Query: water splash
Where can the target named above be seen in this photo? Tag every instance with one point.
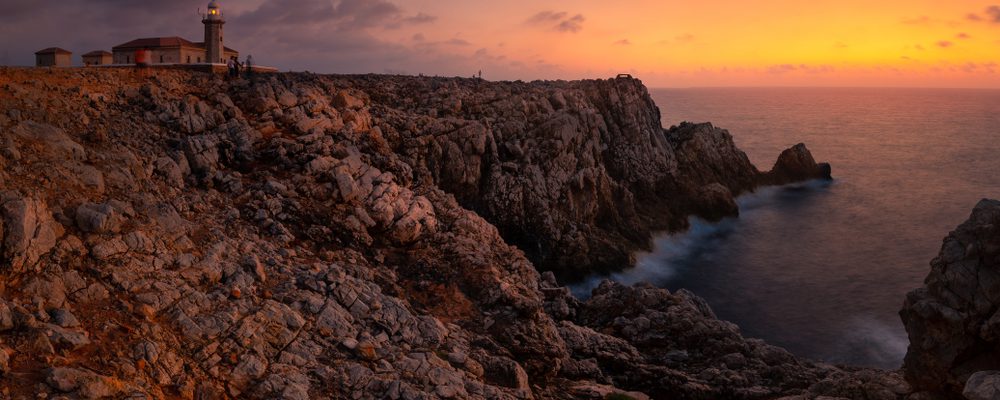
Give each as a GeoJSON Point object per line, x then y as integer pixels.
{"type": "Point", "coordinates": [697, 245]}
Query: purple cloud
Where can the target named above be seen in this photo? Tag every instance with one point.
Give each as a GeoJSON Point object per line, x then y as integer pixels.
{"type": "Point", "coordinates": [944, 44]}
{"type": "Point", "coordinates": [559, 21]}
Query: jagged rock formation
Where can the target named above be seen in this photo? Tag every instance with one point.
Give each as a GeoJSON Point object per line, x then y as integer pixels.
{"type": "Point", "coordinates": [306, 236]}
{"type": "Point", "coordinates": [578, 175]}
{"type": "Point", "coordinates": [953, 322]}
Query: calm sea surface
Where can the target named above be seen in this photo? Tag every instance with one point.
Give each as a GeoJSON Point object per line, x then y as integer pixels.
{"type": "Point", "coordinates": [822, 269]}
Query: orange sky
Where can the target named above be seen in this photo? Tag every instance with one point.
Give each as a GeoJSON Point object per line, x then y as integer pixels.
{"type": "Point", "coordinates": [672, 43]}
{"type": "Point", "coordinates": [722, 43]}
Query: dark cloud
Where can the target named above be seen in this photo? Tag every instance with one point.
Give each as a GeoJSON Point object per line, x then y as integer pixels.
{"type": "Point", "coordinates": [945, 44]}
{"type": "Point", "coordinates": [963, 35]}
{"type": "Point", "coordinates": [546, 17]}
{"type": "Point", "coordinates": [559, 21]}
{"type": "Point", "coordinates": [623, 42]}
{"type": "Point", "coordinates": [341, 15]}
{"type": "Point", "coordinates": [574, 24]}
{"type": "Point", "coordinates": [993, 14]}
{"type": "Point", "coordinates": [420, 18]}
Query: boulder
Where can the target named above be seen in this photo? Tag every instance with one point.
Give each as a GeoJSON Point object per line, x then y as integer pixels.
{"type": "Point", "coordinates": [983, 385]}
{"type": "Point", "coordinates": [99, 218]}
{"type": "Point", "coordinates": [86, 384]}
{"type": "Point", "coordinates": [29, 231]}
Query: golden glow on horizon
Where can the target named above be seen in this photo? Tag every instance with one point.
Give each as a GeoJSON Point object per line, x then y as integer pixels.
{"type": "Point", "coordinates": [712, 42]}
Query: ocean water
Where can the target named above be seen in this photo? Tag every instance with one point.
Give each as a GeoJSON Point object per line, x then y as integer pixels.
{"type": "Point", "coordinates": [822, 269]}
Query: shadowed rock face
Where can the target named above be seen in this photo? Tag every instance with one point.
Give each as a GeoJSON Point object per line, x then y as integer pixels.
{"type": "Point", "coordinates": [578, 175]}
{"type": "Point", "coordinates": [307, 236]}
{"type": "Point", "coordinates": [953, 321]}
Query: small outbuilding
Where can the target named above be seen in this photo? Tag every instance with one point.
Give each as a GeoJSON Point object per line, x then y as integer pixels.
{"type": "Point", "coordinates": [97, 57]}
{"type": "Point", "coordinates": [53, 57]}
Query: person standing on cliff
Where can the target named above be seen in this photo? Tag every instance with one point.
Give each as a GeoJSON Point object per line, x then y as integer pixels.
{"type": "Point", "coordinates": [249, 66]}
{"type": "Point", "coordinates": [232, 67]}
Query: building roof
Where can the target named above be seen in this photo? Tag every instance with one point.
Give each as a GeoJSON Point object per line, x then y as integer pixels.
{"type": "Point", "coordinates": [53, 50]}
{"type": "Point", "coordinates": [170, 41]}
{"type": "Point", "coordinates": [96, 53]}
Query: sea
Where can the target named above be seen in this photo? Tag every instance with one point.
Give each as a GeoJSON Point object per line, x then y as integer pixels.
{"type": "Point", "coordinates": [822, 268]}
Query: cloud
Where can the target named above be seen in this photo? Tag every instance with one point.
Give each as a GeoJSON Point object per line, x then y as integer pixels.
{"type": "Point", "coordinates": [574, 24]}
{"type": "Point", "coordinates": [343, 14]}
{"type": "Point", "coordinates": [781, 69]}
{"type": "Point", "coordinates": [993, 14]}
{"type": "Point", "coordinates": [419, 19]}
{"type": "Point", "coordinates": [944, 44]}
{"type": "Point", "coordinates": [963, 35]}
{"type": "Point", "coordinates": [809, 69]}
{"type": "Point", "coordinates": [840, 45]}
{"type": "Point", "coordinates": [458, 42]}
{"type": "Point", "coordinates": [559, 21]}
{"type": "Point", "coordinates": [623, 42]}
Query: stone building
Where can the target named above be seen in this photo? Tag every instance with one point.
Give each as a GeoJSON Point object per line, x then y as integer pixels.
{"type": "Point", "coordinates": [53, 57]}
{"type": "Point", "coordinates": [176, 50]}
{"type": "Point", "coordinates": [166, 50]}
{"type": "Point", "coordinates": [97, 57]}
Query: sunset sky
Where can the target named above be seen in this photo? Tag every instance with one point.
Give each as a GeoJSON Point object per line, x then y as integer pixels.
{"type": "Point", "coordinates": [666, 43]}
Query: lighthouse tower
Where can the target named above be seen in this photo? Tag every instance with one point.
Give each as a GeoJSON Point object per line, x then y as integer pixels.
{"type": "Point", "coordinates": [213, 33]}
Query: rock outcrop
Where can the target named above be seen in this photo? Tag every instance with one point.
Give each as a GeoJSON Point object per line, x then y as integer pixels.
{"type": "Point", "coordinates": [303, 236]}
{"type": "Point", "coordinates": [578, 175]}
{"type": "Point", "coordinates": [953, 322]}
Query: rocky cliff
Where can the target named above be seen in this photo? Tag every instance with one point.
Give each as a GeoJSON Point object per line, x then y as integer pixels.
{"type": "Point", "coordinates": [953, 321]}
{"type": "Point", "coordinates": [304, 236]}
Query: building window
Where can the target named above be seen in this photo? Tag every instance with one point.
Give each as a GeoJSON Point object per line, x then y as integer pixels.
{"type": "Point", "coordinates": [199, 60]}
{"type": "Point", "coordinates": [189, 60]}
{"type": "Point", "coordinates": [128, 59]}
{"type": "Point", "coordinates": [161, 59]}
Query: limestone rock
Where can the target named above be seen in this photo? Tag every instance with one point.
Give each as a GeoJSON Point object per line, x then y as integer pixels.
{"type": "Point", "coordinates": [99, 218]}
{"type": "Point", "coordinates": [797, 164]}
{"type": "Point", "coordinates": [960, 292]}
{"type": "Point", "coordinates": [29, 231]}
{"type": "Point", "coordinates": [983, 385]}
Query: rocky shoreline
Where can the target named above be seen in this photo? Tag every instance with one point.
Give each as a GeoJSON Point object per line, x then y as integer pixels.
{"type": "Point", "coordinates": [304, 236]}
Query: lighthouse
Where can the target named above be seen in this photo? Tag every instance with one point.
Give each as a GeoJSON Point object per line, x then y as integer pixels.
{"type": "Point", "coordinates": [213, 21]}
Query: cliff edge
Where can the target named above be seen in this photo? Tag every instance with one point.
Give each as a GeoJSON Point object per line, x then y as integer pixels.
{"type": "Point", "coordinates": [303, 236]}
{"type": "Point", "coordinates": [953, 321]}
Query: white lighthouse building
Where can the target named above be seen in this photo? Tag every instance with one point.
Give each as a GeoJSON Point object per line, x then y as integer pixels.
{"type": "Point", "coordinates": [213, 33]}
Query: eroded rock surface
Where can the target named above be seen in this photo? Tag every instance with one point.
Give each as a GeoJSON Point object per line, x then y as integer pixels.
{"type": "Point", "coordinates": [304, 236]}
{"type": "Point", "coordinates": [953, 322]}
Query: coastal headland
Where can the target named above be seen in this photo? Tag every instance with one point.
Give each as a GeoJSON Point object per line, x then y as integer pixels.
{"type": "Point", "coordinates": [299, 236]}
